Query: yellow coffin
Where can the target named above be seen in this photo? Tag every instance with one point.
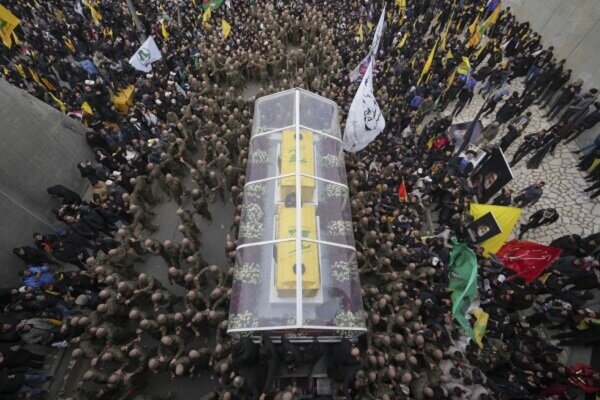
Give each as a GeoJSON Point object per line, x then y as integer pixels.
{"type": "Point", "coordinates": [285, 276]}
{"type": "Point", "coordinates": [288, 164]}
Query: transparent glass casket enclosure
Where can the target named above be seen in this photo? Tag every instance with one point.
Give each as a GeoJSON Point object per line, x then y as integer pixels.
{"type": "Point", "coordinates": [296, 212]}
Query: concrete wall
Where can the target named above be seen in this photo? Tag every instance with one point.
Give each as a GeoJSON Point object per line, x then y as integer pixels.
{"type": "Point", "coordinates": [39, 147]}
{"type": "Point", "coordinates": [573, 28]}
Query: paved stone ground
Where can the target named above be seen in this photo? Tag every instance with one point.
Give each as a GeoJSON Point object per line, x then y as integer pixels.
{"type": "Point", "coordinates": [564, 182]}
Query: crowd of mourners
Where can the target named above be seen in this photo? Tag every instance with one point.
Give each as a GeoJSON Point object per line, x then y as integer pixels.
{"type": "Point", "coordinates": [185, 139]}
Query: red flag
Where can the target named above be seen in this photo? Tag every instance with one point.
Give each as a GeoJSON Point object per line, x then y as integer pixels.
{"type": "Point", "coordinates": [527, 259]}
{"type": "Point", "coordinates": [582, 376]}
{"type": "Point", "coordinates": [402, 194]}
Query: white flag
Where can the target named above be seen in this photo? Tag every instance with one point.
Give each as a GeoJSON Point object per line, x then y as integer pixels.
{"type": "Point", "coordinates": [365, 121]}
{"type": "Point", "coordinates": [357, 73]}
{"type": "Point", "coordinates": [378, 33]}
{"type": "Point", "coordinates": [144, 56]}
{"type": "Point", "coordinates": [79, 8]}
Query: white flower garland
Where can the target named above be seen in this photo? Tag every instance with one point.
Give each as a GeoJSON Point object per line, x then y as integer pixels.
{"type": "Point", "coordinates": [255, 191]}
{"type": "Point", "coordinates": [343, 271]}
{"type": "Point", "coordinates": [243, 320]}
{"type": "Point", "coordinates": [259, 156]}
{"type": "Point", "coordinates": [252, 226]}
{"type": "Point", "coordinates": [339, 228]}
{"type": "Point", "coordinates": [348, 319]}
{"type": "Point", "coordinates": [247, 273]}
{"type": "Point", "coordinates": [331, 160]}
{"type": "Point", "coordinates": [332, 190]}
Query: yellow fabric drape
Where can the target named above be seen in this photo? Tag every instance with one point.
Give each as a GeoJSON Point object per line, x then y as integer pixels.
{"type": "Point", "coordinates": [506, 217]}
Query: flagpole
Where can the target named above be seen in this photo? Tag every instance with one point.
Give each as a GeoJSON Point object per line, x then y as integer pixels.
{"type": "Point", "coordinates": [138, 24]}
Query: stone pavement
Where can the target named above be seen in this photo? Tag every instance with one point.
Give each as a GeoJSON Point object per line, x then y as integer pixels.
{"type": "Point", "coordinates": [564, 182]}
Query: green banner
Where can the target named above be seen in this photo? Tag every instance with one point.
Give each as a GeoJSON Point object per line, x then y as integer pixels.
{"type": "Point", "coordinates": [214, 4]}
{"type": "Point", "coordinates": [462, 282]}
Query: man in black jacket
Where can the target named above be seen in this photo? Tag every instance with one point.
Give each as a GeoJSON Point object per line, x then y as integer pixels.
{"type": "Point", "coordinates": [32, 256]}
{"type": "Point", "coordinates": [545, 216]}
{"type": "Point", "coordinates": [68, 196]}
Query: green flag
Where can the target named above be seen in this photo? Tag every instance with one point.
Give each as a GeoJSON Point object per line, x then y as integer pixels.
{"type": "Point", "coordinates": [214, 4]}
{"type": "Point", "coordinates": [463, 282]}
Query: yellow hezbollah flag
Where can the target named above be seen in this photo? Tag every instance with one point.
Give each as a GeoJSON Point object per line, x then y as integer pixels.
{"type": "Point", "coordinates": [491, 20]}
{"type": "Point", "coordinates": [225, 28]}
{"type": "Point", "coordinates": [361, 33]}
{"type": "Point", "coordinates": [62, 106]}
{"type": "Point", "coordinates": [428, 63]}
{"type": "Point", "coordinates": [163, 30]}
{"type": "Point", "coordinates": [450, 80]}
{"type": "Point", "coordinates": [206, 16]}
{"type": "Point", "coordinates": [473, 26]}
{"type": "Point", "coordinates": [21, 71]}
{"type": "Point", "coordinates": [401, 4]}
{"type": "Point", "coordinates": [69, 44]}
{"type": "Point", "coordinates": [96, 16]}
{"type": "Point", "coordinates": [48, 84]}
{"type": "Point", "coordinates": [506, 217]}
{"type": "Point", "coordinates": [445, 34]}
{"type": "Point", "coordinates": [403, 41]}
{"type": "Point", "coordinates": [475, 39]}
{"type": "Point", "coordinates": [448, 56]}
{"type": "Point", "coordinates": [35, 76]}
{"type": "Point", "coordinates": [86, 108]}
{"type": "Point", "coordinates": [480, 325]}
{"type": "Point", "coordinates": [8, 23]}
{"type": "Point", "coordinates": [464, 67]}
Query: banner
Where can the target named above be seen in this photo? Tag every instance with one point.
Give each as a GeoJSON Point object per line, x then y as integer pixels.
{"type": "Point", "coordinates": [8, 23]}
{"type": "Point", "coordinates": [492, 175]}
{"type": "Point", "coordinates": [462, 282]}
{"type": "Point", "coordinates": [144, 57]}
{"type": "Point", "coordinates": [365, 120]}
{"type": "Point", "coordinates": [480, 325]}
{"type": "Point", "coordinates": [527, 259]}
{"type": "Point", "coordinates": [506, 217]}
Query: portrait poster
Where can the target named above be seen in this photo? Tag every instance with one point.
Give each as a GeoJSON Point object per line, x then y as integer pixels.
{"type": "Point", "coordinates": [491, 176]}
{"type": "Point", "coordinates": [458, 132]}
{"type": "Point", "coordinates": [484, 228]}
